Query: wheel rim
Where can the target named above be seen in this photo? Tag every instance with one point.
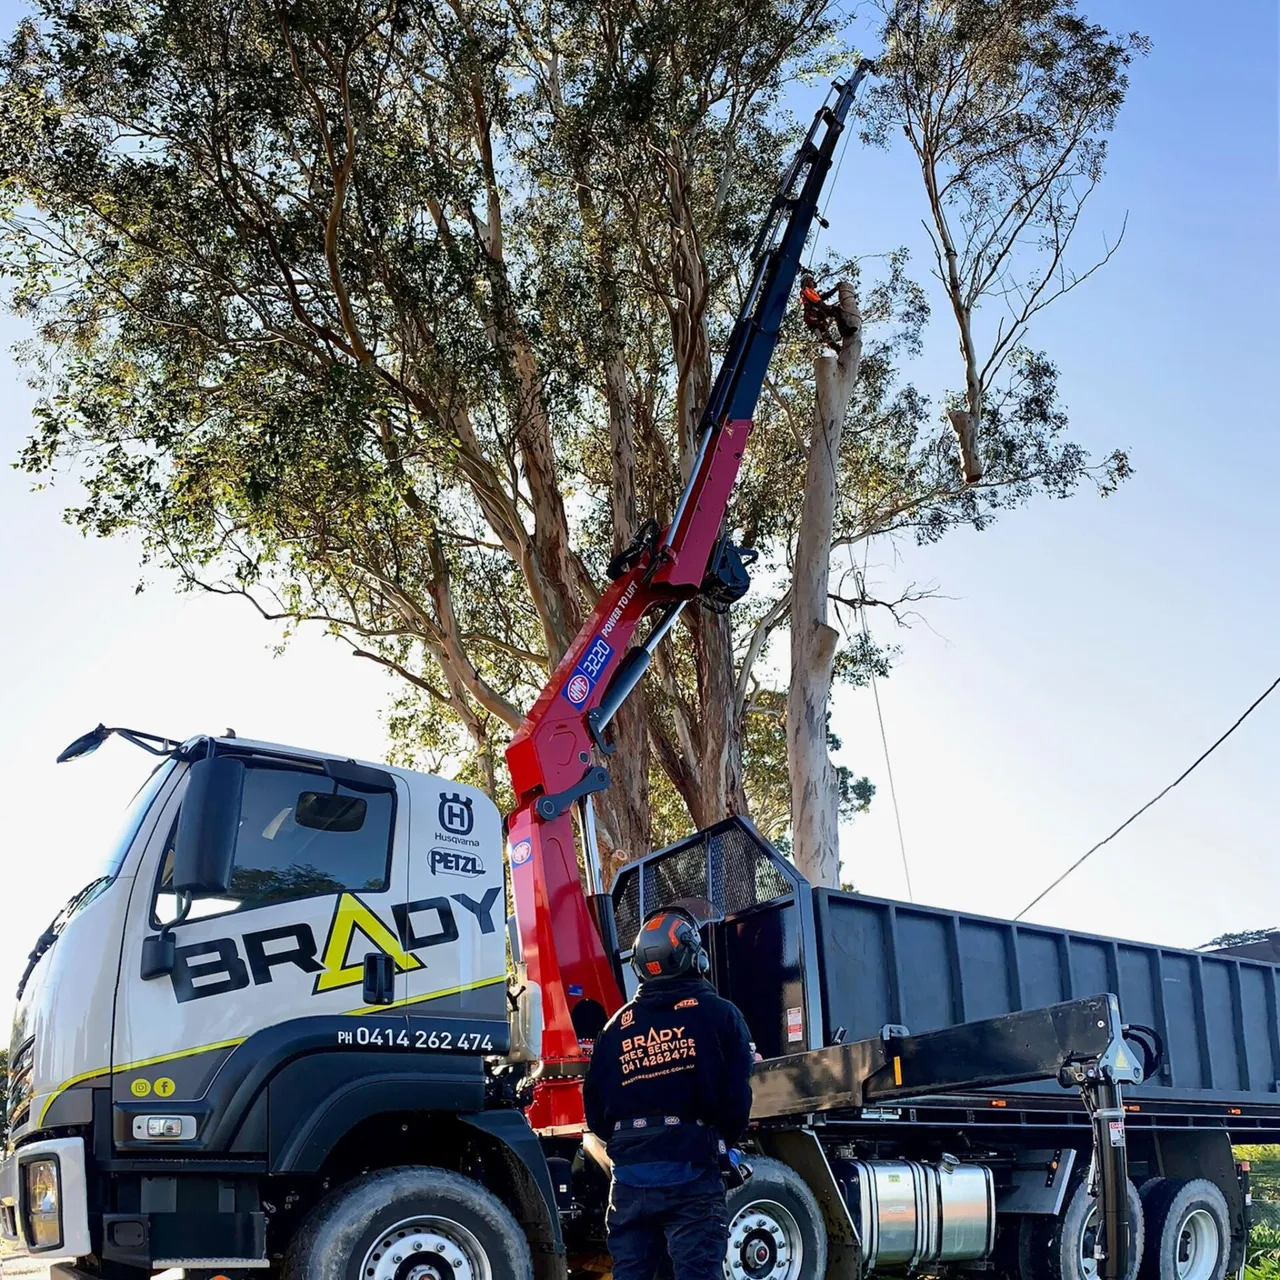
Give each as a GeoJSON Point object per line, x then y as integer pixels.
{"type": "Point", "coordinates": [1198, 1246]}
{"type": "Point", "coordinates": [426, 1248]}
{"type": "Point", "coordinates": [764, 1243]}
{"type": "Point", "coordinates": [1088, 1240]}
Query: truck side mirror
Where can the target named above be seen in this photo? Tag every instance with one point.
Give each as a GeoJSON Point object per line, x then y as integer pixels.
{"type": "Point", "coordinates": [205, 844]}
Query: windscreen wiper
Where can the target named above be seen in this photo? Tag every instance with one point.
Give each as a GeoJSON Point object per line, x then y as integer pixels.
{"type": "Point", "coordinates": [43, 943]}
{"type": "Point", "coordinates": [50, 935]}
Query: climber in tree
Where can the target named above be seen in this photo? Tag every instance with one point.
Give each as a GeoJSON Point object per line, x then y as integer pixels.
{"type": "Point", "coordinates": [819, 313]}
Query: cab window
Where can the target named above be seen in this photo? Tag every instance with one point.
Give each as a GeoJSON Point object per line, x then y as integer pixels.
{"type": "Point", "coordinates": [301, 835]}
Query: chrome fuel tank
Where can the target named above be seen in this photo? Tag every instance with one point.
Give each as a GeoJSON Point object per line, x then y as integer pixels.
{"type": "Point", "coordinates": [967, 1218]}
{"type": "Point", "coordinates": [908, 1213]}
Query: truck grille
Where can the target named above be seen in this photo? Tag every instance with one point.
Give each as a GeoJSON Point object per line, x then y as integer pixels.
{"type": "Point", "coordinates": [18, 1101]}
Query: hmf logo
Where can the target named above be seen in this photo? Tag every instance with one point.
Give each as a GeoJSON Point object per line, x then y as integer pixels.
{"type": "Point", "coordinates": [219, 965]}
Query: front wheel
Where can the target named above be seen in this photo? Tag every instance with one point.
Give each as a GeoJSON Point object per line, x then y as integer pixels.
{"type": "Point", "coordinates": [411, 1223]}
{"type": "Point", "coordinates": [776, 1230]}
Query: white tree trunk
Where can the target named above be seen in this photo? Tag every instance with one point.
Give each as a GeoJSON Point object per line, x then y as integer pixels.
{"type": "Point", "coordinates": [964, 425]}
{"type": "Point", "coordinates": [814, 795]}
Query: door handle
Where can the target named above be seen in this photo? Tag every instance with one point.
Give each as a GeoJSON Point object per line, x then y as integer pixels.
{"type": "Point", "coordinates": [379, 978]}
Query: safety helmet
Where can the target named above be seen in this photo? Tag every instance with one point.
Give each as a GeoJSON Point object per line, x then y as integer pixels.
{"type": "Point", "coordinates": [669, 946]}
{"type": "Point", "coordinates": [808, 282]}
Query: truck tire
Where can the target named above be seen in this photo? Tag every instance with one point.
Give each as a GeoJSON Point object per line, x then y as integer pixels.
{"type": "Point", "coordinates": [776, 1231]}
{"type": "Point", "coordinates": [1063, 1247]}
{"type": "Point", "coordinates": [368, 1228]}
{"type": "Point", "coordinates": [1188, 1231]}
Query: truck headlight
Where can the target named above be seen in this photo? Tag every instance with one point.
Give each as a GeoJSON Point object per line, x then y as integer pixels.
{"type": "Point", "coordinates": [41, 1206]}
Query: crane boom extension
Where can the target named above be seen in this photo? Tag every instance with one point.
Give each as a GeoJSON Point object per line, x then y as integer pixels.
{"type": "Point", "coordinates": [568, 946]}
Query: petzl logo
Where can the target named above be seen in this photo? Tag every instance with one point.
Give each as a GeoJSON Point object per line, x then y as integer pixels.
{"type": "Point", "coordinates": [453, 862]}
{"type": "Point", "coordinates": [455, 814]}
{"type": "Point", "coordinates": [522, 852]}
{"type": "Point", "coordinates": [577, 690]}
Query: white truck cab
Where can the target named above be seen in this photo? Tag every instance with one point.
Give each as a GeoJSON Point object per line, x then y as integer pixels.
{"type": "Point", "coordinates": [344, 910]}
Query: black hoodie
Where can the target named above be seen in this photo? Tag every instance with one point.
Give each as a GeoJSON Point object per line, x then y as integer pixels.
{"type": "Point", "coordinates": [676, 1050]}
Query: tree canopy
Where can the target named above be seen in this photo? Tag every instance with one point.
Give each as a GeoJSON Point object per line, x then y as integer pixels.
{"type": "Point", "coordinates": [399, 319]}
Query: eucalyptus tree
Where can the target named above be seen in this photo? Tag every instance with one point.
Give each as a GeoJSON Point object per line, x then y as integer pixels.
{"type": "Point", "coordinates": [397, 320]}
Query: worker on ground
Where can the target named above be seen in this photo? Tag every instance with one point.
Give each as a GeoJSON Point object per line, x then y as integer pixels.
{"type": "Point", "coordinates": [669, 1083]}
{"type": "Point", "coordinates": [819, 312]}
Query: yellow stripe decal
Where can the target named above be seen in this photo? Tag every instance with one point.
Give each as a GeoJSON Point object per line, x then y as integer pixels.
{"type": "Point", "coordinates": [897, 1070]}
{"type": "Point", "coordinates": [431, 995]}
{"type": "Point", "coordinates": [133, 1066]}
{"type": "Point", "coordinates": [182, 1053]}
{"type": "Point", "coordinates": [231, 1044]}
{"type": "Point", "coordinates": [80, 1079]}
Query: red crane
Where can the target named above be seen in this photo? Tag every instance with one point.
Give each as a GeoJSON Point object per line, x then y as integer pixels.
{"type": "Point", "coordinates": [567, 938]}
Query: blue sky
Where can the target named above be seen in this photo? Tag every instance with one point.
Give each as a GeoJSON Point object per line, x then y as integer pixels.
{"type": "Point", "coordinates": [1089, 651]}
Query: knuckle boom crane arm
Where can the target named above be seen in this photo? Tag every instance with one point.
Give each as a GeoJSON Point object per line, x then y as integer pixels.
{"type": "Point", "coordinates": [567, 945]}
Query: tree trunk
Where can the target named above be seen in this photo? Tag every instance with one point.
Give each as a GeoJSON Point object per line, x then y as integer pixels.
{"type": "Point", "coordinates": [815, 801]}
{"type": "Point", "coordinates": [718, 786]}
{"type": "Point", "coordinates": [964, 424]}
{"type": "Point", "coordinates": [625, 806]}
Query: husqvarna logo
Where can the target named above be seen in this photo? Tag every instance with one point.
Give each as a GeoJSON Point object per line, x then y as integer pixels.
{"type": "Point", "coordinates": [455, 814]}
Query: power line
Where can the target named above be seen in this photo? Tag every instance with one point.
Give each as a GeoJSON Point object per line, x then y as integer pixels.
{"type": "Point", "coordinates": [1257, 702]}
{"type": "Point", "coordinates": [893, 791]}
{"type": "Point", "coordinates": [861, 580]}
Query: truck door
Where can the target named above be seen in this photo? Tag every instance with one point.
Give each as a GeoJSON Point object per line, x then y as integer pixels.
{"type": "Point", "coordinates": [454, 919]}
{"type": "Point", "coordinates": [313, 886]}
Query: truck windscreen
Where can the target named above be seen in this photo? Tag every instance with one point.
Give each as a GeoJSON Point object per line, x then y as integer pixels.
{"type": "Point", "coordinates": [114, 854]}
{"type": "Point", "coordinates": [108, 867]}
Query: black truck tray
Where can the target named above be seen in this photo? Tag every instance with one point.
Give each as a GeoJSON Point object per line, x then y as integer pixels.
{"type": "Point", "coordinates": [804, 964]}
{"type": "Point", "coordinates": [890, 962]}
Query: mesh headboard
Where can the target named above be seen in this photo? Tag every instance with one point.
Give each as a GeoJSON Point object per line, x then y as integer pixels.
{"type": "Point", "coordinates": [729, 866]}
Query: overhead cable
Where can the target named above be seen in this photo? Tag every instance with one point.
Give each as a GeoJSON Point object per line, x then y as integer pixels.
{"type": "Point", "coordinates": [1191, 768]}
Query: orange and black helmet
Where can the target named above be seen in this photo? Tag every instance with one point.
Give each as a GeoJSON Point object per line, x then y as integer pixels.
{"type": "Point", "coordinates": [669, 946]}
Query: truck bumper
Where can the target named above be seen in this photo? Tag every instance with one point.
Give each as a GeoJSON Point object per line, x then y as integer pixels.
{"type": "Point", "coordinates": [65, 1212]}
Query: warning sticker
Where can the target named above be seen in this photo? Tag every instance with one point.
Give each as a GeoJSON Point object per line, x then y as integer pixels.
{"type": "Point", "coordinates": [795, 1025]}
{"type": "Point", "coordinates": [1117, 1133]}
